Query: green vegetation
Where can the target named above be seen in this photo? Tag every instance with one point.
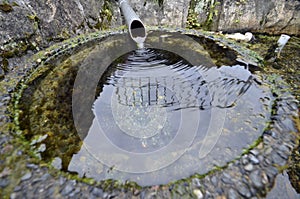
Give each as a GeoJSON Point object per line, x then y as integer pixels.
{"type": "Point", "coordinates": [106, 14]}
{"type": "Point", "coordinates": [5, 6]}
{"type": "Point", "coordinates": [211, 12]}
{"type": "Point", "coordinates": [192, 21]}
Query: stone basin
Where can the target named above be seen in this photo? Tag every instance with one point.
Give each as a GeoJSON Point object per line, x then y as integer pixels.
{"type": "Point", "coordinates": [237, 153]}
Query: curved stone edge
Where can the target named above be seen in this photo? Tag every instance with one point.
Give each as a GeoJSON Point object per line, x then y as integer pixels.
{"type": "Point", "coordinates": [237, 179]}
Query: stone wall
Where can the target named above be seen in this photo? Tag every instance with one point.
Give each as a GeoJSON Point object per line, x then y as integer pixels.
{"type": "Point", "coordinates": [264, 16]}
{"type": "Point", "coordinates": [48, 20]}
{"type": "Point", "coordinates": [171, 13]}
{"type": "Point", "coordinates": [270, 16]}
{"type": "Point", "coordinates": [27, 26]}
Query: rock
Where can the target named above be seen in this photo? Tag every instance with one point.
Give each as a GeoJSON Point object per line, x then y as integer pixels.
{"type": "Point", "coordinates": [253, 159]}
{"type": "Point", "coordinates": [226, 178]}
{"type": "Point", "coordinates": [2, 74]}
{"type": "Point", "coordinates": [57, 163]}
{"type": "Point", "coordinates": [196, 182]}
{"type": "Point", "coordinates": [249, 167]}
{"type": "Point", "coordinates": [32, 166]}
{"type": "Point", "coordinates": [214, 180]}
{"type": "Point", "coordinates": [97, 192]}
{"type": "Point", "coordinates": [256, 178]}
{"type": "Point", "coordinates": [243, 190]}
{"type": "Point", "coordinates": [46, 23]}
{"type": "Point", "coordinates": [45, 176]}
{"type": "Point", "coordinates": [172, 13]}
{"type": "Point", "coordinates": [27, 176]}
{"type": "Point", "coordinates": [277, 159]}
{"type": "Point", "coordinates": [50, 191]}
{"type": "Point", "coordinates": [244, 159]}
{"type": "Point", "coordinates": [13, 196]}
{"type": "Point", "coordinates": [4, 182]}
{"type": "Point", "coordinates": [232, 194]}
{"type": "Point", "coordinates": [198, 193]}
{"type": "Point", "coordinates": [265, 16]}
{"type": "Point", "coordinates": [42, 148]}
{"type": "Point", "coordinates": [11, 22]}
{"type": "Point", "coordinates": [62, 180]}
{"type": "Point", "coordinates": [67, 189]}
{"type": "Point", "coordinates": [17, 188]}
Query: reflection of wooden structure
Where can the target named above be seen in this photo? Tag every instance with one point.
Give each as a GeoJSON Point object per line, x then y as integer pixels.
{"type": "Point", "coordinates": [192, 91]}
{"type": "Point", "coordinates": [163, 91]}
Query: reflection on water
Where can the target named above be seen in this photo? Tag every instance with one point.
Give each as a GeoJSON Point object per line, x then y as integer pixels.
{"type": "Point", "coordinates": [159, 119]}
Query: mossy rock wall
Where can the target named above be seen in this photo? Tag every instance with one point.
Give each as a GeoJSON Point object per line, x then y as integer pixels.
{"type": "Point", "coordinates": [29, 26]}
{"type": "Point", "coordinates": [264, 16]}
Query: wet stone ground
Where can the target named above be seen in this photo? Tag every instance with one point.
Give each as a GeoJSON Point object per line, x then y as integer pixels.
{"type": "Point", "coordinates": [250, 176]}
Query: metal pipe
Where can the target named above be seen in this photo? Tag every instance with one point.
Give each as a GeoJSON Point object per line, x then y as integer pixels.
{"type": "Point", "coordinates": [135, 26]}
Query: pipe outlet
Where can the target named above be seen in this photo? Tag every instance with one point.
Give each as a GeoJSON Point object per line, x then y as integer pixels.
{"type": "Point", "coordinates": [135, 26]}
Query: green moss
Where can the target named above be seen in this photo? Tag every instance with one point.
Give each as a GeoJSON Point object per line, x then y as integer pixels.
{"type": "Point", "coordinates": [17, 48]}
{"type": "Point", "coordinates": [213, 12]}
{"type": "Point", "coordinates": [6, 7]}
{"type": "Point", "coordinates": [192, 19]}
{"type": "Point", "coordinates": [106, 15]}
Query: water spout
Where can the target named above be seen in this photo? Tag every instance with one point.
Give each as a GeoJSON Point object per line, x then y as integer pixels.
{"type": "Point", "coordinates": [135, 26]}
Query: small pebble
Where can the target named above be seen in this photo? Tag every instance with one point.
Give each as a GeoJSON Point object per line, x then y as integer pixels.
{"type": "Point", "coordinates": [57, 163]}
{"type": "Point", "coordinates": [68, 188]}
{"type": "Point", "coordinates": [4, 183]}
{"type": "Point", "coordinates": [198, 193]}
{"type": "Point", "coordinates": [253, 159]}
{"type": "Point", "coordinates": [196, 182]}
{"type": "Point", "coordinates": [226, 178]}
{"type": "Point", "coordinates": [232, 194]}
{"type": "Point", "coordinates": [214, 180]}
{"type": "Point", "coordinates": [62, 180]}
{"type": "Point", "coordinates": [277, 159]}
{"type": "Point", "coordinates": [13, 196]}
{"type": "Point", "coordinates": [265, 179]}
{"type": "Point", "coordinates": [97, 192]}
{"type": "Point", "coordinates": [243, 190]}
{"type": "Point", "coordinates": [42, 148]}
{"type": "Point", "coordinates": [45, 176]}
{"type": "Point", "coordinates": [256, 179]}
{"type": "Point", "coordinates": [27, 176]}
{"type": "Point", "coordinates": [245, 160]}
{"type": "Point", "coordinates": [254, 152]}
{"type": "Point", "coordinates": [17, 188]}
{"type": "Point", "coordinates": [32, 166]}
{"type": "Point", "coordinates": [51, 191]}
{"type": "Point", "coordinates": [249, 167]}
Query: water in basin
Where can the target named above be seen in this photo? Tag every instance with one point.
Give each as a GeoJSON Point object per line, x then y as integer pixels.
{"type": "Point", "coordinates": [151, 115]}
